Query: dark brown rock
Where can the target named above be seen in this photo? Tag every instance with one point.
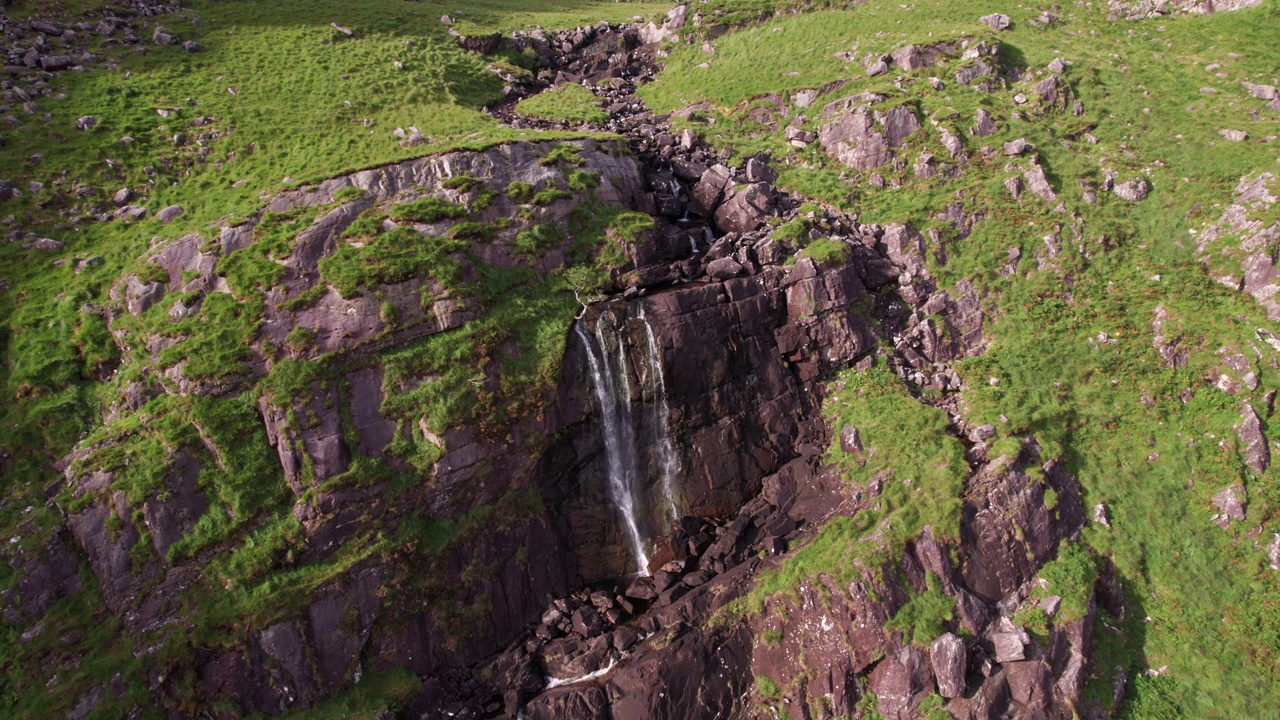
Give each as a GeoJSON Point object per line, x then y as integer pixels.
{"type": "Point", "coordinates": [746, 209]}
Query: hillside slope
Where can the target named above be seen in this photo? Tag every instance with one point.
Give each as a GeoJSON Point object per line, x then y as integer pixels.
{"type": "Point", "coordinates": [741, 358]}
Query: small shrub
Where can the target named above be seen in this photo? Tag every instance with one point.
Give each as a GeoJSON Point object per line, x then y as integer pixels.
{"type": "Point", "coordinates": [395, 257]}
{"type": "Point", "coordinates": [771, 637]}
{"type": "Point", "coordinates": [562, 155]}
{"type": "Point", "coordinates": [520, 191]}
{"type": "Point", "coordinates": [924, 616]}
{"type": "Point", "coordinates": [348, 194]}
{"type": "Point", "coordinates": [461, 183]}
{"type": "Point", "coordinates": [427, 210]}
{"type": "Point", "coordinates": [582, 180]}
{"type": "Point", "coordinates": [826, 251]}
{"type": "Point", "coordinates": [300, 339]}
{"type": "Point", "coordinates": [473, 230]}
{"type": "Point", "coordinates": [536, 241]}
{"type": "Point", "coordinates": [768, 687]}
{"type": "Point", "coordinates": [366, 227]}
{"type": "Point", "coordinates": [550, 195]}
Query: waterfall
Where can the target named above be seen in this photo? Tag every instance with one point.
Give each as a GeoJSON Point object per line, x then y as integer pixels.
{"type": "Point", "coordinates": [614, 400]}
{"type": "Point", "coordinates": [666, 452]}
{"type": "Point", "coordinates": [633, 492]}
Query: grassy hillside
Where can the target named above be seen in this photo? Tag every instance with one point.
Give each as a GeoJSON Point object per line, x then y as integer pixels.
{"type": "Point", "coordinates": [1071, 360]}
{"type": "Point", "coordinates": [287, 100]}
{"type": "Point", "coordinates": [277, 99]}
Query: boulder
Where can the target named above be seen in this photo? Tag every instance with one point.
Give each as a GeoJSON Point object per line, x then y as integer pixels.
{"type": "Point", "coordinates": [759, 172]}
{"type": "Point", "coordinates": [1017, 147]}
{"type": "Point", "coordinates": [1230, 502]}
{"type": "Point", "coordinates": [953, 144]}
{"type": "Point", "coordinates": [995, 21]}
{"type": "Point", "coordinates": [86, 122]}
{"type": "Point", "coordinates": [899, 124]}
{"type": "Point", "coordinates": [1133, 189]}
{"type": "Point", "coordinates": [1256, 453]}
{"type": "Point", "coordinates": [161, 37]}
{"type": "Point", "coordinates": [1038, 184]}
{"type": "Point", "coordinates": [169, 214]}
{"type": "Point", "coordinates": [41, 26]}
{"type": "Point", "coordinates": [711, 186]}
{"type": "Point", "coordinates": [1008, 647]}
{"type": "Point", "coordinates": [908, 58]}
{"type": "Point", "coordinates": [983, 125]}
{"type": "Point", "coordinates": [55, 62]}
{"type": "Point", "coordinates": [851, 440]}
{"type": "Point", "coordinates": [853, 139]}
{"type": "Point", "coordinates": [192, 46]}
{"type": "Point", "coordinates": [746, 209]}
{"type": "Point", "coordinates": [1262, 92]}
{"type": "Point", "coordinates": [949, 661]}
{"type": "Point", "coordinates": [587, 622]}
{"type": "Point", "coordinates": [724, 268]}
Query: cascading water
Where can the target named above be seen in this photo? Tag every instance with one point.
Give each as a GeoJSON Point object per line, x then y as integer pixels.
{"type": "Point", "coordinates": [667, 463]}
{"type": "Point", "coordinates": [614, 400]}
{"type": "Point", "coordinates": [611, 386]}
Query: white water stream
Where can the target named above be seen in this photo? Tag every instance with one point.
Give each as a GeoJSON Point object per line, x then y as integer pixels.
{"type": "Point", "coordinates": [612, 390]}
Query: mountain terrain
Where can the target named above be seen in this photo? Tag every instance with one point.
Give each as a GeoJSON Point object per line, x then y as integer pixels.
{"type": "Point", "coordinates": [579, 359]}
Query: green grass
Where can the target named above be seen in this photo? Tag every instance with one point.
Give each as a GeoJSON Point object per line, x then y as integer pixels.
{"type": "Point", "coordinates": [368, 700]}
{"type": "Point", "coordinates": [308, 104]}
{"type": "Point", "coordinates": [921, 470]}
{"type": "Point", "coordinates": [568, 103]}
{"type": "Point", "coordinates": [924, 616]}
{"type": "Point", "coordinates": [390, 258]}
{"type": "Point", "coordinates": [1205, 590]}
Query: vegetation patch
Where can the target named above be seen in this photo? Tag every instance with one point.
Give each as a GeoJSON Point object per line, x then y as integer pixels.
{"type": "Point", "coordinates": [393, 257]}
{"type": "Point", "coordinates": [569, 103]}
{"type": "Point", "coordinates": [427, 210]}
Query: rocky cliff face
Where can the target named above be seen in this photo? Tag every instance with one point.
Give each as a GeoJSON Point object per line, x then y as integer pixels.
{"type": "Point", "coordinates": [498, 572]}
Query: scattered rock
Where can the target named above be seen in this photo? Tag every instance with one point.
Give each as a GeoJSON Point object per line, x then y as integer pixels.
{"type": "Point", "coordinates": [1133, 189]}
{"type": "Point", "coordinates": [169, 214]}
{"type": "Point", "coordinates": [995, 21]}
{"type": "Point", "coordinates": [1262, 92]}
{"type": "Point", "coordinates": [53, 63]}
{"type": "Point", "coordinates": [1014, 186]}
{"type": "Point", "coordinates": [1100, 515]}
{"type": "Point", "coordinates": [1038, 184]}
{"type": "Point", "coordinates": [192, 46]}
{"type": "Point", "coordinates": [1017, 147]}
{"type": "Point", "coordinates": [86, 122]}
{"type": "Point", "coordinates": [1234, 135]}
{"type": "Point", "coordinates": [983, 125]}
{"type": "Point", "coordinates": [161, 37]}
{"type": "Point", "coordinates": [851, 440]}
{"type": "Point", "coordinates": [343, 29]}
{"type": "Point", "coordinates": [1230, 502]}
{"type": "Point", "coordinates": [1256, 453]}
